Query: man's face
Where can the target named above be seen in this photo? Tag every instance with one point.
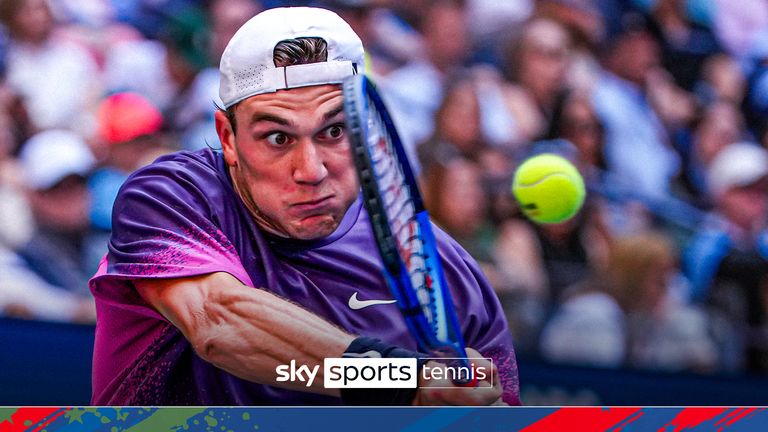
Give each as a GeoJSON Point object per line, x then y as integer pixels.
{"type": "Point", "coordinates": [290, 160]}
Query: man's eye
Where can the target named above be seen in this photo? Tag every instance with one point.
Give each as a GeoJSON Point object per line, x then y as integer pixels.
{"type": "Point", "coordinates": [334, 132]}
{"type": "Point", "coordinates": [277, 139]}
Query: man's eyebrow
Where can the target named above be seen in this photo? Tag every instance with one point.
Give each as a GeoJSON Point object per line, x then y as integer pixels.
{"type": "Point", "coordinates": [257, 117]}
{"type": "Point", "coordinates": [333, 113]}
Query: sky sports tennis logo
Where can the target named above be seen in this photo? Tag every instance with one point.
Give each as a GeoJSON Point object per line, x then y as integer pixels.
{"type": "Point", "coordinates": [387, 373]}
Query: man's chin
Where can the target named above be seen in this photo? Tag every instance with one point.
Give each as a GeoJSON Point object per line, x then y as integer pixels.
{"type": "Point", "coordinates": [314, 227]}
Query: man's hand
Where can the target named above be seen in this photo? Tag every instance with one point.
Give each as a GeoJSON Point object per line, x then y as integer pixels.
{"type": "Point", "coordinates": [451, 394]}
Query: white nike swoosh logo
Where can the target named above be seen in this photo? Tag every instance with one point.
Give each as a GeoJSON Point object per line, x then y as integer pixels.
{"type": "Point", "coordinates": [356, 304]}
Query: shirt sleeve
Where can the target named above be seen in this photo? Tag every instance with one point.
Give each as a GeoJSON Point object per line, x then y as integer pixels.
{"type": "Point", "coordinates": [164, 227]}
{"type": "Point", "coordinates": [482, 319]}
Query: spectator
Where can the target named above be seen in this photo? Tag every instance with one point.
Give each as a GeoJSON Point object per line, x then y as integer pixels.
{"type": "Point", "coordinates": [128, 127]}
{"type": "Point", "coordinates": [575, 120]}
{"type": "Point", "coordinates": [414, 91]}
{"type": "Point", "coordinates": [496, 18]}
{"type": "Point", "coordinates": [721, 79]}
{"type": "Point", "coordinates": [685, 44]}
{"type": "Point", "coordinates": [226, 17]}
{"type": "Point", "coordinates": [541, 261]}
{"type": "Point", "coordinates": [554, 255]}
{"type": "Point", "coordinates": [473, 110]}
{"type": "Point", "coordinates": [584, 20]}
{"type": "Point", "coordinates": [368, 20]}
{"type": "Point", "coordinates": [637, 146]}
{"type": "Point", "coordinates": [454, 196]}
{"type": "Point", "coordinates": [56, 164]}
{"type": "Point", "coordinates": [35, 45]}
{"type": "Point", "coordinates": [719, 125]}
{"type": "Point", "coordinates": [727, 260]}
{"type": "Point", "coordinates": [187, 39]}
{"type": "Point", "coordinates": [627, 317]}
{"type": "Point", "coordinates": [537, 60]}
{"type": "Point", "coordinates": [23, 293]}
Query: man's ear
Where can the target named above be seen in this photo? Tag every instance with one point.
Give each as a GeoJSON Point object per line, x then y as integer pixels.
{"type": "Point", "coordinates": [227, 137]}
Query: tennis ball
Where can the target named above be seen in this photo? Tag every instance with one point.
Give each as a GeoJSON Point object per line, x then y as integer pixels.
{"type": "Point", "coordinates": [549, 188]}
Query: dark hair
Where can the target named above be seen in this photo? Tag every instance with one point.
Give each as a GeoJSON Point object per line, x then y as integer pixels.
{"type": "Point", "coordinates": [290, 52]}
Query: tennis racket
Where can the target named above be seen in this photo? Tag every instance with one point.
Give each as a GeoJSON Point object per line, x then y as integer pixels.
{"type": "Point", "coordinates": [400, 223]}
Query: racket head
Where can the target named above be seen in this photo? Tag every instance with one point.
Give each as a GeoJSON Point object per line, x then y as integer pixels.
{"type": "Point", "coordinates": [400, 223]}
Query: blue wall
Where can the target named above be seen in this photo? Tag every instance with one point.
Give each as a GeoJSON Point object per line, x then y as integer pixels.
{"type": "Point", "coordinates": [50, 364]}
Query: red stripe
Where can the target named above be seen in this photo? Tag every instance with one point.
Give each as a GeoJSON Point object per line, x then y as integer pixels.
{"type": "Point", "coordinates": [31, 416]}
{"type": "Point", "coordinates": [692, 417]}
{"type": "Point", "coordinates": [582, 419]}
{"type": "Point", "coordinates": [50, 420]}
{"type": "Point", "coordinates": [737, 415]}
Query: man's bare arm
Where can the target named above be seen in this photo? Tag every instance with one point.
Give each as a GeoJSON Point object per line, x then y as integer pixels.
{"type": "Point", "coordinates": [249, 332]}
{"type": "Point", "coordinates": [246, 331]}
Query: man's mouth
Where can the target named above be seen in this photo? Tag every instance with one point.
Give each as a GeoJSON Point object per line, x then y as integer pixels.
{"type": "Point", "coordinates": [312, 206]}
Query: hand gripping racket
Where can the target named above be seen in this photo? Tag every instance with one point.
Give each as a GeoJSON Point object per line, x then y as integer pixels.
{"type": "Point", "coordinates": [400, 223]}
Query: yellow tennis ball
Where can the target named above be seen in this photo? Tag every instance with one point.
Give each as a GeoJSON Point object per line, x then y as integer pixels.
{"type": "Point", "coordinates": [549, 188]}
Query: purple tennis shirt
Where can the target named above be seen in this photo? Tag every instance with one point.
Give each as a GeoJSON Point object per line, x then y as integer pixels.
{"type": "Point", "coordinates": [181, 217]}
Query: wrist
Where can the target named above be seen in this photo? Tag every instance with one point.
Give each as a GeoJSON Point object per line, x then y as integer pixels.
{"type": "Point", "coordinates": [366, 347]}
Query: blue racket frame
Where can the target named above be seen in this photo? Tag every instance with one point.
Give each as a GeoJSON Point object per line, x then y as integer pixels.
{"type": "Point", "coordinates": [444, 337]}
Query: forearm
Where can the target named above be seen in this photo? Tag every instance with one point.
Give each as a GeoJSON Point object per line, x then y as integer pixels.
{"type": "Point", "coordinates": [249, 332]}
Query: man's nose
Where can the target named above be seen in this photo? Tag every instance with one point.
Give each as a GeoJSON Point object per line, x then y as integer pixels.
{"type": "Point", "coordinates": [308, 164]}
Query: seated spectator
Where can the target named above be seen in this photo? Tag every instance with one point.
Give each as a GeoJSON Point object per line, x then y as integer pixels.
{"type": "Point", "coordinates": [537, 60]}
{"type": "Point", "coordinates": [454, 196]}
{"type": "Point", "coordinates": [186, 37]}
{"type": "Point", "coordinates": [727, 260]}
{"type": "Point", "coordinates": [56, 164]}
{"type": "Point", "coordinates": [227, 16]}
{"type": "Point", "coordinates": [637, 145]}
{"type": "Point", "coordinates": [722, 79]}
{"type": "Point", "coordinates": [414, 91]}
{"type": "Point", "coordinates": [626, 315]}
{"type": "Point", "coordinates": [24, 294]}
{"type": "Point", "coordinates": [367, 19]}
{"type": "Point", "coordinates": [128, 126]}
{"type": "Point", "coordinates": [551, 257]}
{"type": "Point", "coordinates": [476, 121]}
{"type": "Point", "coordinates": [541, 260]}
{"type": "Point", "coordinates": [685, 44]}
{"type": "Point", "coordinates": [52, 102]}
{"type": "Point", "coordinates": [576, 121]}
{"type": "Point", "coordinates": [718, 125]}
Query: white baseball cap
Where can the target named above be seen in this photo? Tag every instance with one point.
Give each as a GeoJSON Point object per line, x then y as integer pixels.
{"type": "Point", "coordinates": [247, 65]}
{"type": "Point", "coordinates": [50, 156]}
{"type": "Point", "coordinates": [738, 164]}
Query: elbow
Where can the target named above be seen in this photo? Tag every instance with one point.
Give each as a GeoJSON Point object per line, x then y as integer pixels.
{"type": "Point", "coordinates": [205, 335]}
{"type": "Point", "coordinates": [206, 347]}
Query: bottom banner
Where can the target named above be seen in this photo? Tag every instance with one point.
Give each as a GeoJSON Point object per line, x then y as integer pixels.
{"type": "Point", "coordinates": [263, 419]}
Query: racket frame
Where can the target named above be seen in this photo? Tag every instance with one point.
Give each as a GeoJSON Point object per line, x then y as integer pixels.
{"type": "Point", "coordinates": [449, 341]}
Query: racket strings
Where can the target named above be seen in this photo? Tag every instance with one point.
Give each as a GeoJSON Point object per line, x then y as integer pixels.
{"type": "Point", "coordinates": [401, 213]}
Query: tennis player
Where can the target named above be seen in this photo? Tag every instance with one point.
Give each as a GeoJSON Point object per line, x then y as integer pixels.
{"type": "Point", "coordinates": [225, 265]}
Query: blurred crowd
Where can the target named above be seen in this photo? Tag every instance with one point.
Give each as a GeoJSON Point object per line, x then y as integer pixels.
{"type": "Point", "coordinates": [661, 104]}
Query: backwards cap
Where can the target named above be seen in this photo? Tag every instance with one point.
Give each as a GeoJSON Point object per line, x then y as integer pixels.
{"type": "Point", "coordinates": [247, 65]}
